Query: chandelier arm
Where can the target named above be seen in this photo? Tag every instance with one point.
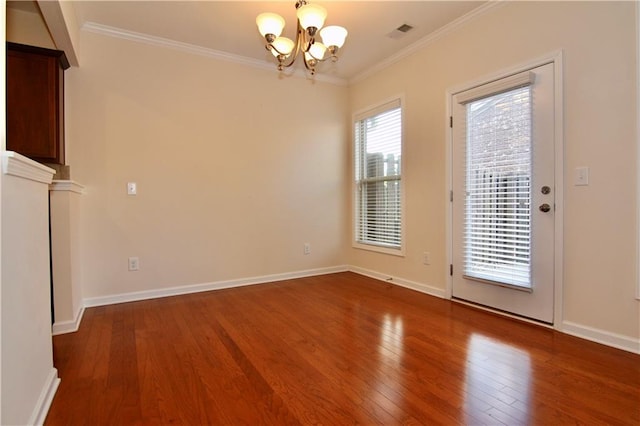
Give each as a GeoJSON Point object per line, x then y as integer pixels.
{"type": "Point", "coordinates": [308, 40]}
{"type": "Point", "coordinates": [308, 43]}
{"type": "Point", "coordinates": [324, 59]}
{"type": "Point", "coordinates": [297, 49]}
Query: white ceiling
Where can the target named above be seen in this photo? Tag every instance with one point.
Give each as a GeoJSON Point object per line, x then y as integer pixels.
{"type": "Point", "coordinates": [229, 26]}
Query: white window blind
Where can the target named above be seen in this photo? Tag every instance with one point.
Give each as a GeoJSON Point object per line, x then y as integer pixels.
{"type": "Point", "coordinates": [378, 155]}
{"type": "Point", "coordinates": [497, 238]}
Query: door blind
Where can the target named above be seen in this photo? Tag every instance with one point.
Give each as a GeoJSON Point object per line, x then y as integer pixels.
{"type": "Point", "coordinates": [497, 237]}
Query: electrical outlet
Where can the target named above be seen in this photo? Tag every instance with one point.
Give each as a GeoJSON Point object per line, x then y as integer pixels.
{"type": "Point", "coordinates": [132, 188]}
{"type": "Point", "coordinates": [134, 264]}
{"type": "Point", "coordinates": [307, 248]}
{"type": "Point", "coordinates": [426, 258]}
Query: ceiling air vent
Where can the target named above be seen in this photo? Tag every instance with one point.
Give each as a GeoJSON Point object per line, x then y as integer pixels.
{"type": "Point", "coordinates": [400, 32]}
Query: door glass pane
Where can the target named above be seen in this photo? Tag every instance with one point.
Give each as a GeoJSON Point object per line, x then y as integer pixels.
{"type": "Point", "coordinates": [497, 238]}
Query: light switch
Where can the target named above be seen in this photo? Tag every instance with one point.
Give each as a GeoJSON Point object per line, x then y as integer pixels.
{"type": "Point", "coordinates": [581, 176]}
{"type": "Point", "coordinates": [132, 188]}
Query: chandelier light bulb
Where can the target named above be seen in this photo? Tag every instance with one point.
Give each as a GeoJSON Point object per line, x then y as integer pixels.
{"type": "Point", "coordinates": [316, 51]}
{"type": "Point", "coordinates": [282, 46]}
{"type": "Point", "coordinates": [307, 46]}
{"type": "Point", "coordinates": [270, 23]}
{"type": "Point", "coordinates": [333, 36]}
{"type": "Point", "coordinates": [311, 15]}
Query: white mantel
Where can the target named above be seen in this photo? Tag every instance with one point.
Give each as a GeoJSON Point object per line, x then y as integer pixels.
{"type": "Point", "coordinates": [66, 185]}
{"type": "Point", "coordinates": [17, 165]}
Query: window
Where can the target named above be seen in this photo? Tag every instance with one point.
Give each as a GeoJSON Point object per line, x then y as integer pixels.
{"type": "Point", "coordinates": [378, 177]}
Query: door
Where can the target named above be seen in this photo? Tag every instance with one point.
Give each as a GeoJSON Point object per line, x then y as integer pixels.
{"type": "Point", "coordinates": [503, 194]}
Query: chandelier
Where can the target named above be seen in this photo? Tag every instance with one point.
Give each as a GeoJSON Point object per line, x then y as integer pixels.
{"type": "Point", "coordinates": [310, 21]}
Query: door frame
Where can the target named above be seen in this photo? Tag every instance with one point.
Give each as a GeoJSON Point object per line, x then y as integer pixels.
{"type": "Point", "coordinates": [556, 58]}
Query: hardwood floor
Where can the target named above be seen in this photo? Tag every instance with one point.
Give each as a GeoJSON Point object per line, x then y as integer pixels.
{"type": "Point", "coordinates": [335, 349]}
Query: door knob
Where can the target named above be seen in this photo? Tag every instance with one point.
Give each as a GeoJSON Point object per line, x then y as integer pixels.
{"type": "Point", "coordinates": [545, 207]}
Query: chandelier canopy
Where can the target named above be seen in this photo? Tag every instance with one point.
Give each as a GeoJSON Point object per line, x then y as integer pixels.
{"type": "Point", "coordinates": [311, 18]}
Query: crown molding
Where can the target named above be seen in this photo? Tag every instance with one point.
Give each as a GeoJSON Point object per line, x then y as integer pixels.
{"type": "Point", "coordinates": [109, 31]}
{"type": "Point", "coordinates": [430, 38]}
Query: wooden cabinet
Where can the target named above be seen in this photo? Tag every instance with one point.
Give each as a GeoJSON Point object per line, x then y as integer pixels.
{"type": "Point", "coordinates": [35, 102]}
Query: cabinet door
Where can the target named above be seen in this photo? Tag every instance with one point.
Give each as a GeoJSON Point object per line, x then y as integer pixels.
{"type": "Point", "coordinates": [35, 108]}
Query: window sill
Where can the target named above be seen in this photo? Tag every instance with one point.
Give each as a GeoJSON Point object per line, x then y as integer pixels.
{"type": "Point", "coordinates": [380, 249]}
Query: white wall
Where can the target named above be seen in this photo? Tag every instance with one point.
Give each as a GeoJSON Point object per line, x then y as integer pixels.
{"type": "Point", "coordinates": [3, 146]}
{"type": "Point", "coordinates": [64, 219]}
{"type": "Point", "coordinates": [236, 168]}
{"type": "Point", "coordinates": [28, 377]}
{"type": "Point", "coordinates": [598, 40]}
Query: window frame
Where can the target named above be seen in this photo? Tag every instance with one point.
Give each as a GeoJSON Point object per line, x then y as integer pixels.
{"type": "Point", "coordinates": [364, 113]}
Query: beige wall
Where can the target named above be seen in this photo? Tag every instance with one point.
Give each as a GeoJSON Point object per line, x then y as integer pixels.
{"type": "Point", "coordinates": [179, 125]}
{"type": "Point", "coordinates": [236, 168]}
{"type": "Point", "coordinates": [598, 40]}
{"type": "Point", "coordinates": [27, 28]}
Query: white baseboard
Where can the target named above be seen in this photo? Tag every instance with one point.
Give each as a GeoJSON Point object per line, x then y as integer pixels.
{"type": "Point", "coordinates": [618, 341]}
{"type": "Point", "coordinates": [41, 409]}
{"type": "Point", "coordinates": [421, 287]}
{"type": "Point", "coordinates": [615, 340]}
{"type": "Point", "coordinates": [62, 327]}
{"type": "Point", "coordinates": [600, 336]}
{"type": "Point", "coordinates": [197, 288]}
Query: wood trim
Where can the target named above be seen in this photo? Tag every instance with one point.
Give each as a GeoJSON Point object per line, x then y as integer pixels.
{"type": "Point", "coordinates": [35, 102]}
{"type": "Point", "coordinates": [62, 57]}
